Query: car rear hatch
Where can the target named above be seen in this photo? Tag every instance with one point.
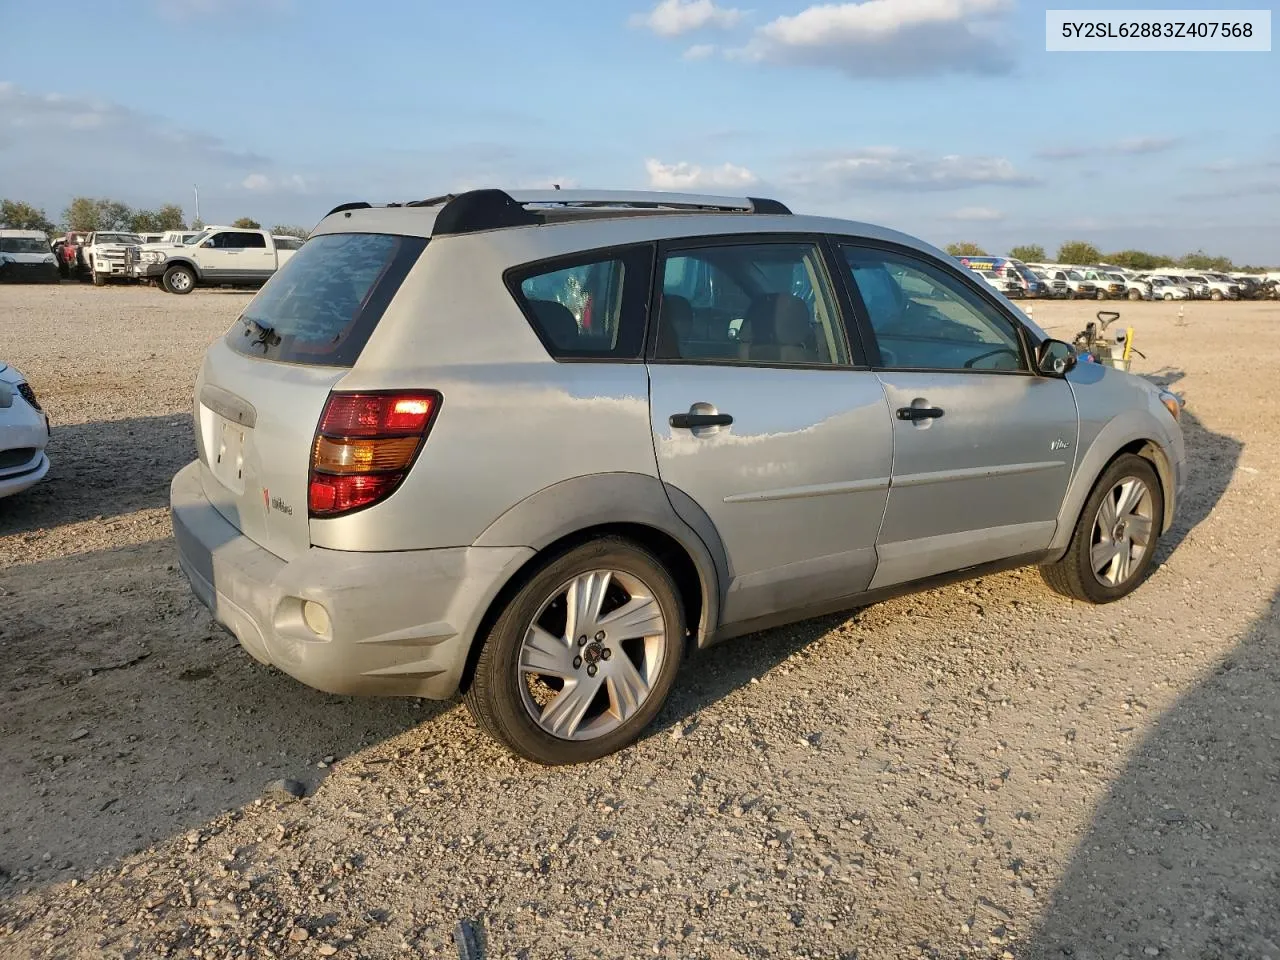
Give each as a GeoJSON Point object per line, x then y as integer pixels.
{"type": "Point", "coordinates": [263, 387]}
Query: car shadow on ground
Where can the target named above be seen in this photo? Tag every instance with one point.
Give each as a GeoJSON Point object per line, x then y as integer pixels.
{"type": "Point", "coordinates": [102, 469]}
{"type": "Point", "coordinates": [1182, 858]}
{"type": "Point", "coordinates": [1212, 460]}
{"type": "Point", "coordinates": [130, 717]}
{"type": "Point", "coordinates": [118, 679]}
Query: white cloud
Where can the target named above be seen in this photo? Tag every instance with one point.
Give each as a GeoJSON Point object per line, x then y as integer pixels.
{"type": "Point", "coordinates": [976, 215]}
{"type": "Point", "coordinates": [887, 38]}
{"type": "Point", "coordinates": [194, 9]}
{"type": "Point", "coordinates": [889, 168]}
{"type": "Point", "coordinates": [1146, 144]}
{"type": "Point", "coordinates": [671, 18]}
{"type": "Point", "coordinates": [690, 176]}
{"type": "Point", "coordinates": [261, 183]}
{"type": "Point", "coordinates": [1131, 146]}
{"type": "Point", "coordinates": [700, 51]}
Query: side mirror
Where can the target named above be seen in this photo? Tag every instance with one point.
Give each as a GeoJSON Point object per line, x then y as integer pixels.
{"type": "Point", "coordinates": [207, 243]}
{"type": "Point", "coordinates": [1054, 358]}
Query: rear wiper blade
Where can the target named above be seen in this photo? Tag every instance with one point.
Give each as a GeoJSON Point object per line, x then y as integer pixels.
{"type": "Point", "coordinates": [266, 336]}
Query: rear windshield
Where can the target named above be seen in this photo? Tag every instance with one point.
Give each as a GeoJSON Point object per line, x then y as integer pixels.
{"type": "Point", "coordinates": [324, 303]}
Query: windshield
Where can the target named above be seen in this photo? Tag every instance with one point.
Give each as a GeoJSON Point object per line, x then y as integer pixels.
{"type": "Point", "coordinates": [1028, 274]}
{"type": "Point", "coordinates": [1195, 279]}
{"type": "Point", "coordinates": [22, 245]}
{"type": "Point", "coordinates": [1074, 275]}
{"type": "Point", "coordinates": [117, 238]}
{"type": "Point", "coordinates": [1116, 276]}
{"type": "Point", "coordinates": [196, 237]}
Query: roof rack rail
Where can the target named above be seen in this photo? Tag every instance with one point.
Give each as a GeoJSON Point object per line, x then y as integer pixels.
{"type": "Point", "coordinates": [493, 209]}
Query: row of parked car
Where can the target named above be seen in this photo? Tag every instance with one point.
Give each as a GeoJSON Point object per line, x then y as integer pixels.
{"type": "Point", "coordinates": [1017, 279]}
{"type": "Point", "coordinates": [178, 261]}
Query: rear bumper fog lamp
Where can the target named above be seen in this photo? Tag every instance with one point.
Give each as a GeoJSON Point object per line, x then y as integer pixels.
{"type": "Point", "coordinates": [316, 617]}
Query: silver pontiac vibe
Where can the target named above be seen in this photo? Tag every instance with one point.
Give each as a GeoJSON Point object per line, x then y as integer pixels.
{"type": "Point", "coordinates": [535, 447]}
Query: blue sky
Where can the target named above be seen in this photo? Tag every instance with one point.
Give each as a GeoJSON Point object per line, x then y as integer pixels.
{"type": "Point", "coordinates": [944, 118]}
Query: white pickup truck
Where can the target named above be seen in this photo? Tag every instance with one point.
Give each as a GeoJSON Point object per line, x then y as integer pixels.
{"type": "Point", "coordinates": [217, 256]}
{"type": "Point", "coordinates": [109, 254]}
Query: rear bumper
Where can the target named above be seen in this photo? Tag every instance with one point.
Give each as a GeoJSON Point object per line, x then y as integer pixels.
{"type": "Point", "coordinates": [400, 624]}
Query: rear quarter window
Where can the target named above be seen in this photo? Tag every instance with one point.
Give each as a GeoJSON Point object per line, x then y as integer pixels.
{"type": "Point", "coordinates": [322, 306]}
{"type": "Point", "coordinates": [588, 307]}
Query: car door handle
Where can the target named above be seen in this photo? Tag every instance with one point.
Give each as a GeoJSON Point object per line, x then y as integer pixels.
{"type": "Point", "coordinates": [919, 413]}
{"type": "Point", "coordinates": [686, 421]}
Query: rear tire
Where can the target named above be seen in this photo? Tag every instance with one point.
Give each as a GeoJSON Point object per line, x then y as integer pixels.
{"type": "Point", "coordinates": [1168, 296]}
{"type": "Point", "coordinates": [1215, 295]}
{"type": "Point", "coordinates": [1104, 562]}
{"type": "Point", "coordinates": [179, 280]}
{"type": "Point", "coordinates": [512, 696]}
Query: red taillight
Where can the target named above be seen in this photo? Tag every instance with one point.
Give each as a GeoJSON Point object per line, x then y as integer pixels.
{"type": "Point", "coordinates": [364, 446]}
{"type": "Point", "coordinates": [376, 414]}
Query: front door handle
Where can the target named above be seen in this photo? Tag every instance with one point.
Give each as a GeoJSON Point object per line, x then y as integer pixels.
{"type": "Point", "coordinates": [686, 421]}
{"type": "Point", "coordinates": [919, 413]}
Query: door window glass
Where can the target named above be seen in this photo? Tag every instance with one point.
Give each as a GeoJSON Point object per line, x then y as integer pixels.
{"type": "Point", "coordinates": [767, 303]}
{"type": "Point", "coordinates": [926, 319]}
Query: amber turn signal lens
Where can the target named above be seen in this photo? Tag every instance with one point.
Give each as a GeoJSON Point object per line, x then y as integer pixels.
{"type": "Point", "coordinates": [1171, 403]}
{"type": "Point", "coordinates": [363, 456]}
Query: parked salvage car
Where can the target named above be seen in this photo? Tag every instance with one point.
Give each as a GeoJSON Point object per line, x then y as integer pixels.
{"type": "Point", "coordinates": [1166, 288]}
{"type": "Point", "coordinates": [534, 447]}
{"type": "Point", "coordinates": [109, 255]}
{"type": "Point", "coordinates": [24, 431]}
{"type": "Point", "coordinates": [25, 257]}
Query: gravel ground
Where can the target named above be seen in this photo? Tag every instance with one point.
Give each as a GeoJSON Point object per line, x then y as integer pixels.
{"type": "Point", "coordinates": [985, 770]}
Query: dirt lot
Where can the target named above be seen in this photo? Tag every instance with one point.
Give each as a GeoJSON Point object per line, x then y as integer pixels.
{"type": "Point", "coordinates": [985, 770]}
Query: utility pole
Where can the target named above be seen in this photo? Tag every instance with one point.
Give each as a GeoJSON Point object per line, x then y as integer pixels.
{"type": "Point", "coordinates": [196, 188]}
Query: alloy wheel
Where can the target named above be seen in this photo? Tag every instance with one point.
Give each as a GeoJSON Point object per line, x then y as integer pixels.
{"type": "Point", "coordinates": [591, 655]}
{"type": "Point", "coordinates": [1122, 532]}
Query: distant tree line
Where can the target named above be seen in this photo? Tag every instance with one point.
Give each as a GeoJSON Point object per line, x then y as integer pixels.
{"type": "Point", "coordinates": [1082, 252]}
{"type": "Point", "coordinates": [86, 214]}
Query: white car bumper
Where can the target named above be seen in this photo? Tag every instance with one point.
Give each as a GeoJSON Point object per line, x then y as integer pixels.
{"type": "Point", "coordinates": [24, 432]}
{"type": "Point", "coordinates": [11, 482]}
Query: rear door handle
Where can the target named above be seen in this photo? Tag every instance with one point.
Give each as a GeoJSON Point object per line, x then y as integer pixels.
{"type": "Point", "coordinates": [919, 413]}
{"type": "Point", "coordinates": [686, 421]}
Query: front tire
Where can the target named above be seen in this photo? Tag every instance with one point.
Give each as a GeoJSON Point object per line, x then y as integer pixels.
{"type": "Point", "coordinates": [95, 276]}
{"type": "Point", "coordinates": [1135, 294]}
{"type": "Point", "coordinates": [1168, 296]}
{"type": "Point", "coordinates": [583, 656]}
{"type": "Point", "coordinates": [179, 280]}
{"type": "Point", "coordinates": [1102, 295]}
{"type": "Point", "coordinates": [1215, 295]}
{"type": "Point", "coordinates": [1113, 547]}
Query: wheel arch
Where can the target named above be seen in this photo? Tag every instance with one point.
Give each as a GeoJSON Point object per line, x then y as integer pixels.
{"type": "Point", "coordinates": [633, 506]}
{"type": "Point", "coordinates": [1101, 454]}
{"type": "Point", "coordinates": [184, 262]}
